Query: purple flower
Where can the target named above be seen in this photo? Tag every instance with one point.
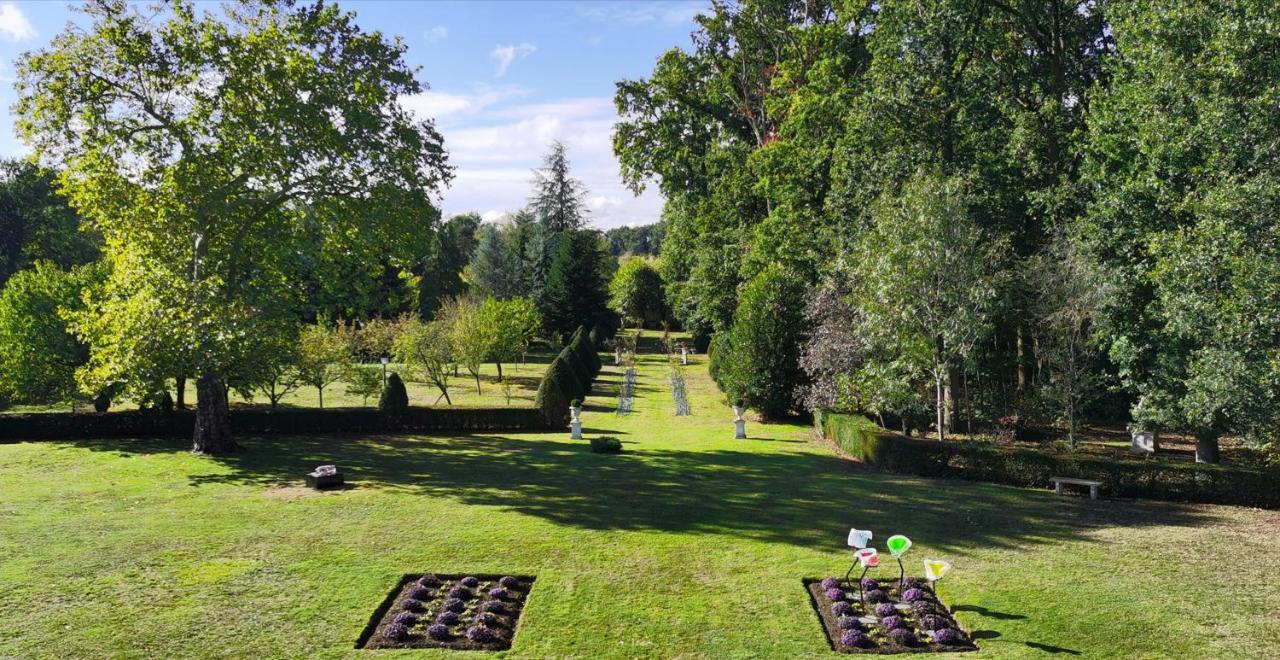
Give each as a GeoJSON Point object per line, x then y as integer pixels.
{"type": "Point", "coordinates": [412, 605]}
{"type": "Point", "coordinates": [460, 592]}
{"type": "Point", "coordinates": [902, 636]}
{"type": "Point", "coordinates": [509, 582]}
{"type": "Point", "coordinates": [841, 608]}
{"type": "Point", "coordinates": [487, 619]}
{"type": "Point", "coordinates": [447, 618]}
{"type": "Point", "coordinates": [835, 594]}
{"type": "Point", "coordinates": [876, 596]}
{"type": "Point", "coordinates": [913, 595]}
{"type": "Point", "coordinates": [480, 634]}
{"type": "Point", "coordinates": [395, 631]}
{"type": "Point", "coordinates": [498, 592]}
{"type": "Point", "coordinates": [893, 622]}
{"type": "Point", "coordinates": [932, 622]}
{"type": "Point", "coordinates": [886, 609]}
{"type": "Point", "coordinates": [493, 606]}
{"type": "Point", "coordinates": [455, 605]}
{"type": "Point", "coordinates": [420, 593]}
{"type": "Point", "coordinates": [429, 580]}
{"type": "Point", "coordinates": [406, 618]}
{"type": "Point", "coordinates": [853, 638]}
{"type": "Point", "coordinates": [923, 607]}
{"type": "Point", "coordinates": [849, 623]}
{"type": "Point", "coordinates": [438, 631]}
{"type": "Point", "coordinates": [947, 636]}
{"type": "Point", "coordinates": [869, 584]}
{"type": "Point", "coordinates": [910, 583]}
{"type": "Point", "coordinates": [470, 581]}
{"type": "Point", "coordinates": [830, 583]}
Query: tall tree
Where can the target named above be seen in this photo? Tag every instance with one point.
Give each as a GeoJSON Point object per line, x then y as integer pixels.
{"type": "Point", "coordinates": [558, 200]}
{"type": "Point", "coordinates": [442, 274]}
{"type": "Point", "coordinates": [497, 267]}
{"type": "Point", "coordinates": [577, 285]}
{"type": "Point", "coordinates": [204, 146]}
{"type": "Point", "coordinates": [37, 223]}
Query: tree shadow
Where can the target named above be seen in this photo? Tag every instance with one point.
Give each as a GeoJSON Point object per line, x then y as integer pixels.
{"type": "Point", "coordinates": [1002, 616]}
{"type": "Point", "coordinates": [798, 498]}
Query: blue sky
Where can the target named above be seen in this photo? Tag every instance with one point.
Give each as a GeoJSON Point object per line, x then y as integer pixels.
{"type": "Point", "coordinates": [505, 79]}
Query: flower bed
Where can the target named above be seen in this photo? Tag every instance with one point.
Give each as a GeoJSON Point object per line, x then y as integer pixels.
{"type": "Point", "coordinates": [910, 621]}
{"type": "Point", "coordinates": [467, 612]}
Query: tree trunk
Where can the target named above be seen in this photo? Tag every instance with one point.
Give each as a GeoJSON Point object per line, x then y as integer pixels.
{"type": "Point", "coordinates": [499, 370]}
{"type": "Point", "coordinates": [180, 385]}
{"type": "Point", "coordinates": [213, 422]}
{"type": "Point", "coordinates": [476, 374]}
{"type": "Point", "coordinates": [939, 405]}
{"type": "Point", "coordinates": [1026, 360]}
{"type": "Point", "coordinates": [320, 392]}
{"type": "Point", "coordinates": [1207, 447]}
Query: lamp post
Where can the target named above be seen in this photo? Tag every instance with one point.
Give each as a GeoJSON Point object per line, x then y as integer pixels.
{"type": "Point", "coordinates": [384, 360]}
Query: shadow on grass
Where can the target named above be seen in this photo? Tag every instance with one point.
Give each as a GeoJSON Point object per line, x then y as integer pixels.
{"type": "Point", "coordinates": [799, 498]}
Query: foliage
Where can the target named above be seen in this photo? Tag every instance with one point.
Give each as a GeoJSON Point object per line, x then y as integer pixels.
{"type": "Point", "coordinates": [471, 337]}
{"type": "Point", "coordinates": [606, 445]}
{"type": "Point", "coordinates": [559, 200]}
{"type": "Point", "coordinates": [280, 374]}
{"type": "Point", "coordinates": [758, 359]}
{"type": "Point", "coordinates": [636, 240]}
{"type": "Point", "coordinates": [558, 387]}
{"type": "Point", "coordinates": [509, 325]}
{"type": "Point", "coordinates": [453, 245]}
{"type": "Point", "coordinates": [207, 196]}
{"type": "Point", "coordinates": [576, 291]}
{"type": "Point", "coordinates": [37, 223]}
{"type": "Point", "coordinates": [365, 381]}
{"type": "Point", "coordinates": [427, 353]}
{"type": "Point", "coordinates": [635, 293]}
{"type": "Point", "coordinates": [321, 357]}
{"type": "Point", "coordinates": [38, 353]}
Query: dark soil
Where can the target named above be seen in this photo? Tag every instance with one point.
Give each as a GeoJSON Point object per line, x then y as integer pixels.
{"type": "Point", "coordinates": [881, 643]}
{"type": "Point", "coordinates": [503, 627]}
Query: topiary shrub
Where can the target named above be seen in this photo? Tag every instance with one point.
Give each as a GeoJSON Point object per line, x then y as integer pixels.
{"type": "Point", "coordinates": [394, 397]}
{"type": "Point", "coordinates": [580, 371]}
{"type": "Point", "coordinates": [606, 445]}
{"type": "Point", "coordinates": [757, 360]}
{"type": "Point", "coordinates": [166, 403]}
{"type": "Point", "coordinates": [102, 402]}
{"type": "Point", "coordinates": [554, 392]}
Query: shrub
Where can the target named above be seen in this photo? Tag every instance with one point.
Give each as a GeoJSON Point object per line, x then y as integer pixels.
{"type": "Point", "coordinates": [495, 606]}
{"type": "Point", "coordinates": [933, 622]}
{"type": "Point", "coordinates": [876, 596]}
{"type": "Point", "coordinates": [886, 609]}
{"type": "Point", "coordinates": [841, 608]}
{"type": "Point", "coordinates": [558, 386]}
{"type": "Point", "coordinates": [576, 403]}
{"type": "Point", "coordinates": [1151, 479]}
{"type": "Point", "coordinates": [470, 581]}
{"type": "Point", "coordinates": [460, 592]}
{"type": "Point", "coordinates": [455, 605]}
{"type": "Point", "coordinates": [892, 622]}
{"type": "Point", "coordinates": [758, 359]}
{"type": "Point", "coordinates": [854, 638]}
{"type": "Point", "coordinates": [480, 634]}
{"type": "Point", "coordinates": [498, 593]}
{"type": "Point", "coordinates": [947, 636]}
{"type": "Point", "coordinates": [869, 584]}
{"type": "Point", "coordinates": [835, 594]}
{"type": "Point", "coordinates": [848, 623]}
{"type": "Point", "coordinates": [509, 582]}
{"type": "Point", "coordinates": [581, 374]}
{"type": "Point", "coordinates": [447, 617]}
{"type": "Point", "coordinates": [902, 636]}
{"type": "Point", "coordinates": [913, 595]}
{"type": "Point", "coordinates": [412, 605]}
{"type": "Point", "coordinates": [406, 619]}
{"type": "Point", "coordinates": [830, 583]}
{"type": "Point", "coordinates": [438, 631]}
{"type": "Point", "coordinates": [420, 593]}
{"type": "Point", "coordinates": [38, 351]}
{"type": "Point", "coordinates": [606, 445]}
{"type": "Point", "coordinates": [394, 397]}
{"type": "Point", "coordinates": [395, 631]}
{"type": "Point", "coordinates": [429, 580]}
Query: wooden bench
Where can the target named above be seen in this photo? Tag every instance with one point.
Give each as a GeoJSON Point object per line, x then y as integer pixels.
{"type": "Point", "coordinates": [1093, 485]}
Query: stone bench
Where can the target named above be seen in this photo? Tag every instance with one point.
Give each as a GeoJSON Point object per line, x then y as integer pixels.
{"type": "Point", "coordinates": [1093, 485]}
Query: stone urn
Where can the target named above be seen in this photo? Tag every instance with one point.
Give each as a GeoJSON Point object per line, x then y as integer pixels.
{"type": "Point", "coordinates": [575, 422]}
{"type": "Point", "coordinates": [739, 424]}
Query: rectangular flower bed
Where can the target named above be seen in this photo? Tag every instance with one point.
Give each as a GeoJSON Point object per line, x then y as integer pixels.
{"type": "Point", "coordinates": [466, 612]}
{"type": "Point", "coordinates": [911, 620]}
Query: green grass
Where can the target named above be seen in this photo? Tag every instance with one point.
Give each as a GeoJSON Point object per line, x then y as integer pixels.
{"type": "Point", "coordinates": [688, 544]}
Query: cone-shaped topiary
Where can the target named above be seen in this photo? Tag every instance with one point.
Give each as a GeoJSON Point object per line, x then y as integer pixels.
{"type": "Point", "coordinates": [554, 394]}
{"type": "Point", "coordinates": [580, 370]}
{"type": "Point", "coordinates": [394, 397]}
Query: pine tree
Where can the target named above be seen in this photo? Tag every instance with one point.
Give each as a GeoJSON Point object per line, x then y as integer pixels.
{"type": "Point", "coordinates": [576, 292]}
{"type": "Point", "coordinates": [557, 200]}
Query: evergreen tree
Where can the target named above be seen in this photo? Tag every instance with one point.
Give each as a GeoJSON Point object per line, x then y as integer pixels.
{"type": "Point", "coordinates": [557, 200]}
{"type": "Point", "coordinates": [576, 290]}
{"type": "Point", "coordinates": [455, 242]}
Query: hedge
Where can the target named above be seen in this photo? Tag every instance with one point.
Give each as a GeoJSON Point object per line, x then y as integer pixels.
{"type": "Point", "coordinates": [1150, 479]}
{"type": "Point", "coordinates": [583, 349]}
{"type": "Point", "coordinates": [557, 389]}
{"type": "Point", "coordinates": [582, 376]}
{"type": "Point", "coordinates": [135, 424]}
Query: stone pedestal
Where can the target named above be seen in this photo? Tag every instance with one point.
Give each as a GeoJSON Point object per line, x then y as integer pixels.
{"type": "Point", "coordinates": [575, 422]}
{"type": "Point", "coordinates": [325, 476]}
{"type": "Point", "coordinates": [684, 355]}
{"type": "Point", "coordinates": [739, 424]}
{"type": "Point", "coordinates": [617, 356]}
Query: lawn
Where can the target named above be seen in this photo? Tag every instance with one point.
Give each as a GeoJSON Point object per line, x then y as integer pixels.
{"type": "Point", "coordinates": [688, 544]}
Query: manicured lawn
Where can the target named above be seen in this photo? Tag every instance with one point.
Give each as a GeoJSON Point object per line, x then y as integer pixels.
{"type": "Point", "coordinates": [689, 544]}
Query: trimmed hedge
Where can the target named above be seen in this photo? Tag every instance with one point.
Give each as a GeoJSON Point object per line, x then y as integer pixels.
{"type": "Point", "coordinates": [137, 424]}
{"type": "Point", "coordinates": [394, 397]}
{"type": "Point", "coordinates": [557, 389]}
{"type": "Point", "coordinates": [1024, 467]}
{"type": "Point", "coordinates": [585, 352]}
{"type": "Point", "coordinates": [582, 376]}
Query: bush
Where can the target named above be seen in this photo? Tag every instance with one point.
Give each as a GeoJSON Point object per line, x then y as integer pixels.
{"type": "Point", "coordinates": [841, 608]}
{"type": "Point", "coordinates": [586, 350]}
{"type": "Point", "coordinates": [758, 360]}
{"type": "Point", "coordinates": [558, 386]}
{"type": "Point", "coordinates": [1150, 479]}
{"type": "Point", "coordinates": [606, 445]}
{"type": "Point", "coordinates": [581, 374]}
{"type": "Point", "coordinates": [38, 352]}
{"type": "Point", "coordinates": [394, 398]}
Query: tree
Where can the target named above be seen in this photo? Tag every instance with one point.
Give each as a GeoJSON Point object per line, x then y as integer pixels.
{"type": "Point", "coordinates": [321, 357]}
{"type": "Point", "coordinates": [636, 240]}
{"type": "Point", "coordinates": [511, 325]}
{"type": "Point", "coordinates": [758, 359]}
{"type": "Point", "coordinates": [38, 352]}
{"type": "Point", "coordinates": [926, 279]}
{"type": "Point", "coordinates": [576, 292]}
{"type": "Point", "coordinates": [36, 223]}
{"type": "Point", "coordinates": [363, 381]}
{"type": "Point", "coordinates": [425, 350]}
{"type": "Point", "coordinates": [636, 293]}
{"type": "Point", "coordinates": [280, 375]}
{"type": "Point", "coordinates": [470, 337]}
{"type": "Point", "coordinates": [558, 200]}
{"type": "Point", "coordinates": [442, 274]}
{"type": "Point", "coordinates": [497, 268]}
{"type": "Point", "coordinates": [207, 149]}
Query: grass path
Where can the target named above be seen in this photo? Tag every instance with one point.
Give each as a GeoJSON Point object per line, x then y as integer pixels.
{"type": "Point", "coordinates": [689, 544]}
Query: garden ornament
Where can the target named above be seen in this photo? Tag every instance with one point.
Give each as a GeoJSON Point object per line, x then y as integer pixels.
{"type": "Point", "coordinates": [858, 538]}
{"type": "Point", "coordinates": [899, 544]}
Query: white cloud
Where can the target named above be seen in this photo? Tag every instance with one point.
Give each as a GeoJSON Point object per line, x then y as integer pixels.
{"type": "Point", "coordinates": [438, 105]}
{"type": "Point", "coordinates": [663, 14]}
{"type": "Point", "coordinates": [506, 54]}
{"type": "Point", "coordinates": [436, 34]}
{"type": "Point", "coordinates": [14, 24]}
{"type": "Point", "coordinates": [492, 215]}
